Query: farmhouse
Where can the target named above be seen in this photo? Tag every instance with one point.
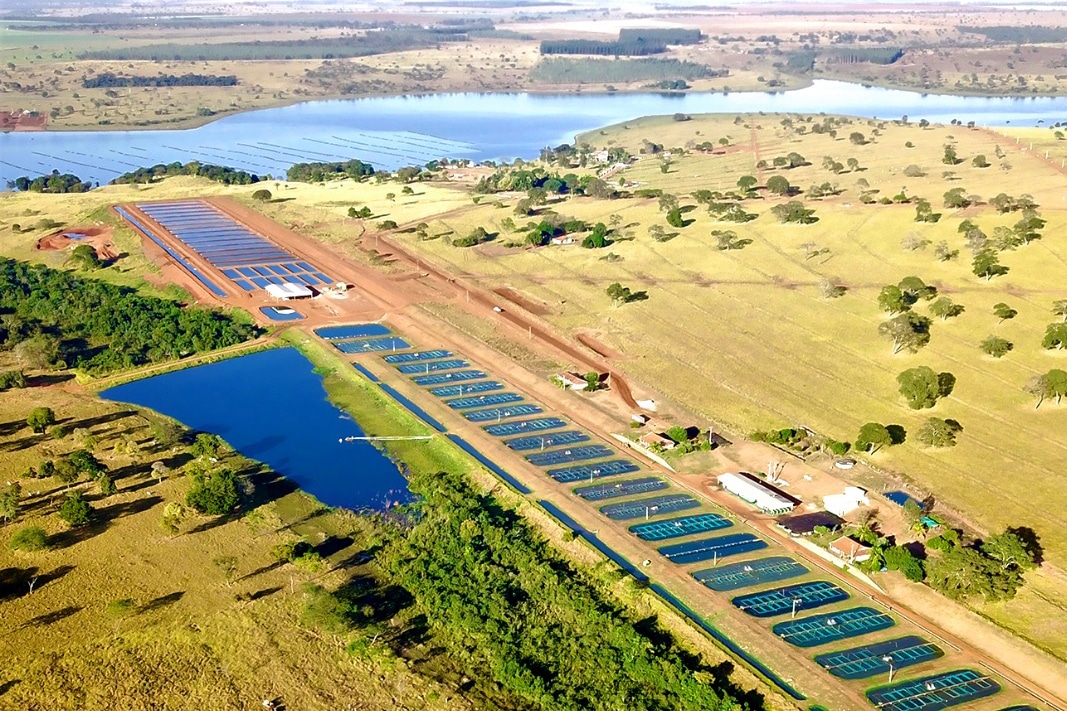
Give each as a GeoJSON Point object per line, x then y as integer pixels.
{"type": "Point", "coordinates": [288, 290]}
{"type": "Point", "coordinates": [563, 239]}
{"type": "Point", "coordinates": [763, 497]}
{"type": "Point", "coordinates": [850, 549]}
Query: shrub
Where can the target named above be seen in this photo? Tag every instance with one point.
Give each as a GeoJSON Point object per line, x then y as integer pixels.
{"type": "Point", "coordinates": [75, 510]}
{"type": "Point", "coordinates": [213, 493]}
{"type": "Point", "coordinates": [29, 539]}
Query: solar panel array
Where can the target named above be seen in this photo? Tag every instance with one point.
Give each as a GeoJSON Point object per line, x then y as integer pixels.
{"type": "Point", "coordinates": [250, 260]}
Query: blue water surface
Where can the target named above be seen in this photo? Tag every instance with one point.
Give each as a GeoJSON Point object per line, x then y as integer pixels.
{"type": "Point", "coordinates": [394, 131]}
{"type": "Point", "coordinates": [271, 407]}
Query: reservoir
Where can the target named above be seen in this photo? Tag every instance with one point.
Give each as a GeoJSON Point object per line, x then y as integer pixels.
{"type": "Point", "coordinates": [271, 407]}
{"type": "Point", "coordinates": [390, 132]}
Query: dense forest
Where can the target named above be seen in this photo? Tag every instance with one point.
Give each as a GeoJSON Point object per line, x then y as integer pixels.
{"type": "Point", "coordinates": [610, 48]}
{"type": "Point", "coordinates": [52, 183]}
{"type": "Point", "coordinates": [560, 70]}
{"type": "Point", "coordinates": [872, 55]}
{"type": "Point", "coordinates": [53, 318]}
{"type": "Point", "coordinates": [108, 80]}
{"type": "Point", "coordinates": [501, 602]}
{"type": "Point", "coordinates": [1033, 34]}
{"type": "Point", "coordinates": [218, 173]}
{"type": "Point", "coordinates": [371, 43]}
{"type": "Point", "coordinates": [317, 172]}
{"type": "Point", "coordinates": [664, 35]}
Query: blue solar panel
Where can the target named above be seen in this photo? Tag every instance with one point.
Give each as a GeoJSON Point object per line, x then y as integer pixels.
{"type": "Point", "coordinates": [599, 470]}
{"type": "Point", "coordinates": [260, 282]}
{"type": "Point", "coordinates": [498, 413]}
{"type": "Point", "coordinates": [712, 548]}
{"type": "Point", "coordinates": [247, 271]}
{"type": "Point", "coordinates": [736, 576]}
{"type": "Point", "coordinates": [243, 284]}
{"type": "Point", "coordinates": [679, 527]}
{"type": "Point", "coordinates": [615, 490]}
{"type": "Point", "coordinates": [539, 424]}
{"type": "Point", "coordinates": [572, 454]}
{"type": "Point", "coordinates": [654, 506]}
{"type": "Point", "coordinates": [548, 439]}
{"type": "Point", "coordinates": [359, 330]}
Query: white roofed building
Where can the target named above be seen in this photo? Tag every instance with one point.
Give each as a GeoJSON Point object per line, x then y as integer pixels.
{"type": "Point", "coordinates": [288, 290]}
{"type": "Point", "coordinates": [755, 493]}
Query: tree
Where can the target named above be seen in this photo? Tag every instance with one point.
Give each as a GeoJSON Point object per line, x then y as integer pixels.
{"type": "Point", "coordinates": [675, 219]}
{"type": "Point", "coordinates": [12, 379]}
{"type": "Point", "coordinates": [960, 572]}
{"type": "Point", "coordinates": [1009, 551]}
{"type": "Point", "coordinates": [623, 295]}
{"type": "Point", "coordinates": [914, 171]}
{"type": "Point", "coordinates": [945, 253]}
{"type": "Point", "coordinates": [678, 434]}
{"type": "Point", "coordinates": [986, 264]}
{"type": "Point", "coordinates": [9, 501]}
{"type": "Point", "coordinates": [924, 211]}
{"type": "Point", "coordinates": [39, 351]}
{"type": "Point", "coordinates": [207, 446]}
{"type": "Point", "coordinates": [921, 386]}
{"type": "Point", "coordinates": [945, 308]}
{"type": "Point", "coordinates": [936, 432]}
{"type": "Point", "coordinates": [996, 346]}
{"type": "Point", "coordinates": [830, 289]}
{"type": "Point", "coordinates": [668, 202]}
{"type": "Point", "coordinates": [75, 510]}
{"type": "Point", "coordinates": [915, 288]}
{"type": "Point", "coordinates": [857, 138]}
{"type": "Point", "coordinates": [728, 240]}
{"type": "Point", "coordinates": [908, 331]}
{"type": "Point", "coordinates": [779, 185]}
{"type": "Point", "coordinates": [746, 183]}
{"type": "Point", "coordinates": [1060, 308]}
{"type": "Point", "coordinates": [40, 418]}
{"type": "Point", "coordinates": [105, 484]}
{"type": "Point", "coordinates": [956, 198]}
{"type": "Point", "coordinates": [592, 381]}
{"type": "Point", "coordinates": [213, 493]}
{"type": "Point", "coordinates": [950, 157]}
{"type": "Point", "coordinates": [794, 211]}
{"type": "Point", "coordinates": [980, 161]}
{"type": "Point", "coordinates": [262, 196]}
{"type": "Point", "coordinates": [1050, 384]}
{"type": "Point", "coordinates": [1004, 312]}
{"type": "Point", "coordinates": [902, 559]}
{"type": "Point", "coordinates": [227, 564]}
{"type": "Point", "coordinates": [1055, 336]}
{"type": "Point", "coordinates": [872, 437]}
{"type": "Point", "coordinates": [84, 257]}
{"type": "Point", "coordinates": [894, 301]}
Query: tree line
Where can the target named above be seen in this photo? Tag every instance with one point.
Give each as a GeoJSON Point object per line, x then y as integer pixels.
{"type": "Point", "coordinates": [603, 48]}
{"type": "Point", "coordinates": [318, 172]}
{"type": "Point", "coordinates": [219, 173]}
{"type": "Point", "coordinates": [56, 319]}
{"type": "Point", "coordinates": [54, 182]}
{"type": "Point", "coordinates": [110, 80]}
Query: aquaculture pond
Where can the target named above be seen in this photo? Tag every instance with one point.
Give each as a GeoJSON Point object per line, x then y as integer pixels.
{"type": "Point", "coordinates": [271, 407]}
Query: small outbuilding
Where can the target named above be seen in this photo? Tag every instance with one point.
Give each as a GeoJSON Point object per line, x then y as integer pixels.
{"type": "Point", "coordinates": [846, 502]}
{"type": "Point", "coordinates": [851, 550]}
{"type": "Point", "coordinates": [572, 381]}
{"type": "Point", "coordinates": [287, 291]}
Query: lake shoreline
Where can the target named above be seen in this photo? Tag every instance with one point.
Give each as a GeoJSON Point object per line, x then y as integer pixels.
{"type": "Point", "coordinates": [196, 122]}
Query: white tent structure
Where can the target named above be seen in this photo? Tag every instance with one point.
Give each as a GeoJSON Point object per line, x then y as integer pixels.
{"type": "Point", "coordinates": [845, 503]}
{"type": "Point", "coordinates": [760, 496]}
{"type": "Point", "coordinates": [288, 290]}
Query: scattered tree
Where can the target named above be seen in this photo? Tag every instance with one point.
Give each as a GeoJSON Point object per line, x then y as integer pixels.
{"type": "Point", "coordinates": [1004, 312]}
{"type": "Point", "coordinates": [915, 288]}
{"type": "Point", "coordinates": [1050, 384]}
{"type": "Point", "coordinates": [894, 301]}
{"type": "Point", "coordinates": [9, 501]}
{"type": "Point", "coordinates": [84, 257]}
{"type": "Point", "coordinates": [29, 539]}
{"type": "Point", "coordinates": [996, 346]}
{"type": "Point", "coordinates": [262, 196]}
{"type": "Point", "coordinates": [908, 331]}
{"type": "Point", "coordinates": [830, 289]}
{"type": "Point", "coordinates": [939, 433]}
{"type": "Point", "coordinates": [1060, 308]}
{"type": "Point", "coordinates": [872, 437]}
{"type": "Point", "coordinates": [945, 308]}
{"type": "Point", "coordinates": [623, 295]}
{"type": "Point", "coordinates": [1055, 336]}
{"type": "Point", "coordinates": [40, 418]}
{"type": "Point", "coordinates": [779, 185]}
{"type": "Point", "coordinates": [986, 264]}
{"type": "Point", "coordinates": [213, 493]}
{"type": "Point", "coordinates": [944, 253]}
{"type": "Point", "coordinates": [921, 386]}
{"type": "Point", "coordinates": [956, 198]}
{"type": "Point", "coordinates": [795, 212]}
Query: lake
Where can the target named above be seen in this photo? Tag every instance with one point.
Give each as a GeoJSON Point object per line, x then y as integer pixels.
{"type": "Point", "coordinates": [391, 132]}
{"type": "Point", "coordinates": [271, 407]}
